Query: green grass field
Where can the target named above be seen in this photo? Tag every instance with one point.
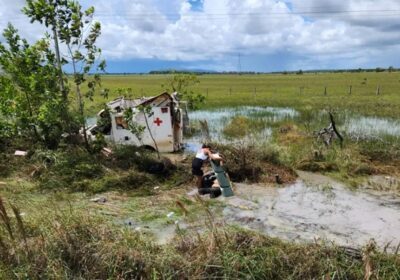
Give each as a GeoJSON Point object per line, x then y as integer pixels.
{"type": "Point", "coordinates": [51, 229]}
{"type": "Point", "coordinates": [299, 91]}
{"type": "Point", "coordinates": [306, 93]}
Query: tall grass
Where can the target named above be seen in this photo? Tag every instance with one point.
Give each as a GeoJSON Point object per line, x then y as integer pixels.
{"type": "Point", "coordinates": [279, 90]}
{"type": "Point", "coordinates": [70, 245]}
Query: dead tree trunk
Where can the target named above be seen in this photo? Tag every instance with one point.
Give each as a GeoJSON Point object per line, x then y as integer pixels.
{"type": "Point", "coordinates": [327, 134]}
{"type": "Point", "coordinates": [335, 130]}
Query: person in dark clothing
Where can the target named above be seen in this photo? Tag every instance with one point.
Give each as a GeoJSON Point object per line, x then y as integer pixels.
{"type": "Point", "coordinates": [208, 179]}
{"type": "Point", "coordinates": [209, 185]}
{"type": "Point", "coordinates": [202, 155]}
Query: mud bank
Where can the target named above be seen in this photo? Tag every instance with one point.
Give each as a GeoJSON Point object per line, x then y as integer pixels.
{"type": "Point", "coordinates": [317, 207]}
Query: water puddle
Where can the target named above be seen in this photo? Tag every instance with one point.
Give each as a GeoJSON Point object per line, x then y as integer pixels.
{"type": "Point", "coordinates": [217, 119]}
{"type": "Point", "coordinates": [317, 207]}
{"type": "Point", "coordinates": [371, 127]}
{"type": "Point", "coordinates": [352, 125]}
{"type": "Point", "coordinates": [160, 233]}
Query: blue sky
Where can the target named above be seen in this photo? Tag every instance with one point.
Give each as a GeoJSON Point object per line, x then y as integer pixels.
{"type": "Point", "coordinates": [268, 35]}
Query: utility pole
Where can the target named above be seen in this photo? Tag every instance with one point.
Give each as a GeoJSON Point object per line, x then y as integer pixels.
{"type": "Point", "coordinates": [239, 64]}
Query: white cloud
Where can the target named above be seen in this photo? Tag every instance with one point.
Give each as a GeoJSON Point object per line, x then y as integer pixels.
{"type": "Point", "coordinates": [10, 12]}
{"type": "Point", "coordinates": [174, 31]}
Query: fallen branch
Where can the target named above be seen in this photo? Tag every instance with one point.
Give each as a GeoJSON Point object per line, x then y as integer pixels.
{"type": "Point", "coordinates": [327, 134]}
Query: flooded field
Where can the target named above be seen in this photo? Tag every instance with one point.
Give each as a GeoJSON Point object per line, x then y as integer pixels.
{"type": "Point", "coordinates": [360, 126]}
{"type": "Point", "coordinates": [317, 207]}
{"type": "Point", "coordinates": [218, 119]}
{"type": "Point", "coordinates": [351, 124]}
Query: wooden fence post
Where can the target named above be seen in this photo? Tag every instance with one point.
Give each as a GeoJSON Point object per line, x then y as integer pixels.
{"type": "Point", "coordinates": [350, 88]}
{"type": "Point", "coordinates": [378, 90]}
{"type": "Point", "coordinates": [325, 92]}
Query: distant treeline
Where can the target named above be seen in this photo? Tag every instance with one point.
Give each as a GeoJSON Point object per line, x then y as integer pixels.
{"type": "Point", "coordinates": [297, 72]}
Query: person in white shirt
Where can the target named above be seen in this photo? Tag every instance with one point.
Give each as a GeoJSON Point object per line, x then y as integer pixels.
{"type": "Point", "coordinates": [202, 155]}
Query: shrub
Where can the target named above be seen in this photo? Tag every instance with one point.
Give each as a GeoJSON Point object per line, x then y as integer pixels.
{"type": "Point", "coordinates": [363, 169]}
{"type": "Point", "coordinates": [66, 168]}
{"type": "Point", "coordinates": [254, 164]}
{"type": "Point", "coordinates": [126, 157]}
{"type": "Point", "coordinates": [244, 162]}
{"type": "Point", "coordinates": [315, 166]}
{"type": "Point", "coordinates": [129, 181]}
{"type": "Point", "coordinates": [239, 126]}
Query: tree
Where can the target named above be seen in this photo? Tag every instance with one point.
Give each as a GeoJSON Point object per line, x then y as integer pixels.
{"type": "Point", "coordinates": [182, 83]}
{"type": "Point", "coordinates": [29, 93]}
{"type": "Point", "coordinates": [78, 33]}
{"type": "Point", "coordinates": [138, 129]}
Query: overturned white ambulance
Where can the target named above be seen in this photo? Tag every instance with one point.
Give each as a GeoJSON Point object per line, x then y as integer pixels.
{"type": "Point", "coordinates": [165, 122]}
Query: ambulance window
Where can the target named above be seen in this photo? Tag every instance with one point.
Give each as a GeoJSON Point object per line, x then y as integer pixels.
{"type": "Point", "coordinates": [121, 123]}
{"type": "Point", "coordinates": [164, 110]}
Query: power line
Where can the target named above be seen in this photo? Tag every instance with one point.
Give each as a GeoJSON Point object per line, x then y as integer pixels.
{"type": "Point", "coordinates": [237, 16]}
{"type": "Point", "coordinates": [239, 63]}
{"type": "Point", "coordinates": [198, 14]}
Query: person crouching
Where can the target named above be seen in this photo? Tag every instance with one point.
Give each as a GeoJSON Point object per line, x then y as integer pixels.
{"type": "Point", "coordinates": [202, 155]}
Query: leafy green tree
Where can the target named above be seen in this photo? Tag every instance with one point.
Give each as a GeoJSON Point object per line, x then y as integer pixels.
{"type": "Point", "coordinates": [76, 31]}
{"type": "Point", "coordinates": [182, 84]}
{"type": "Point", "coordinates": [29, 98]}
{"type": "Point", "coordinates": [138, 129]}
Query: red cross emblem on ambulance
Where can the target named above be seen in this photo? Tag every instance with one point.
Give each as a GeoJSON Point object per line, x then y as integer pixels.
{"type": "Point", "coordinates": [158, 122]}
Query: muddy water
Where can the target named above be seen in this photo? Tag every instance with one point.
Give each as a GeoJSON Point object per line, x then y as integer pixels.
{"type": "Point", "coordinates": [316, 207]}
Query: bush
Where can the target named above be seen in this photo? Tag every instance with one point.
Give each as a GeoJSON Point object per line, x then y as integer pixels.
{"type": "Point", "coordinates": [126, 157]}
{"type": "Point", "coordinates": [239, 126]}
{"type": "Point", "coordinates": [381, 151]}
{"type": "Point", "coordinates": [270, 154]}
{"type": "Point", "coordinates": [315, 166]}
{"type": "Point", "coordinates": [363, 169]}
{"type": "Point", "coordinates": [129, 181]}
{"type": "Point", "coordinates": [67, 168]}
{"type": "Point", "coordinates": [242, 162]}
{"type": "Point", "coordinates": [245, 162]}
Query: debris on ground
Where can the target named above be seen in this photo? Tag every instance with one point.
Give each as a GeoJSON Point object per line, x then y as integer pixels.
{"type": "Point", "coordinates": [106, 152]}
{"type": "Point", "coordinates": [101, 199]}
{"type": "Point", "coordinates": [170, 214]}
{"type": "Point", "coordinates": [20, 153]}
{"type": "Point", "coordinates": [129, 222]}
